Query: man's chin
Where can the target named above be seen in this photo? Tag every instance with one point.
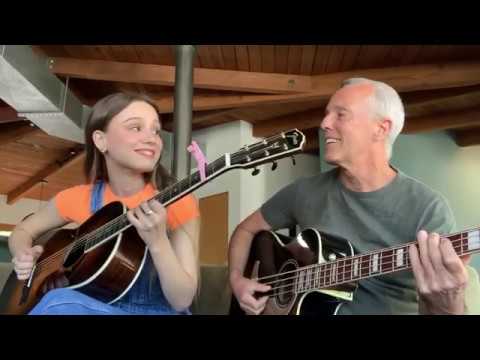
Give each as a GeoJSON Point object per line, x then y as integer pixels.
{"type": "Point", "coordinates": [331, 161]}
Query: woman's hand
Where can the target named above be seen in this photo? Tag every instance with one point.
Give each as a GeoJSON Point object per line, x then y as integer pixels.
{"type": "Point", "coordinates": [150, 220]}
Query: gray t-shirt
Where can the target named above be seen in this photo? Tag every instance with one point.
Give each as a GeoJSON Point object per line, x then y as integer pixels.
{"type": "Point", "coordinates": [370, 221]}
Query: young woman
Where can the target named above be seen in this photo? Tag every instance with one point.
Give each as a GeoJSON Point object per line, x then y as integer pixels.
{"type": "Point", "coordinates": [123, 148]}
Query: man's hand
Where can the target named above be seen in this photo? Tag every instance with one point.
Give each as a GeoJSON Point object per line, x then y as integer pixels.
{"type": "Point", "coordinates": [440, 274]}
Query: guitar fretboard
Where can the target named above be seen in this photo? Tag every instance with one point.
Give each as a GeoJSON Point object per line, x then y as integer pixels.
{"type": "Point", "coordinates": [165, 197]}
{"type": "Point", "coordinates": [354, 268]}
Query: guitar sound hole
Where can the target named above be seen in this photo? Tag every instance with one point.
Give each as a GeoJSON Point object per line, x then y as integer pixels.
{"type": "Point", "coordinates": [285, 285]}
{"type": "Point", "coordinates": [75, 254]}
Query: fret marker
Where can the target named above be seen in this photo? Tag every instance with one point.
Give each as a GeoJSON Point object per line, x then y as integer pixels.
{"type": "Point", "coordinates": [473, 240]}
{"type": "Point", "coordinates": [355, 267]}
{"type": "Point", "coordinates": [399, 258]}
{"type": "Point", "coordinates": [375, 263]}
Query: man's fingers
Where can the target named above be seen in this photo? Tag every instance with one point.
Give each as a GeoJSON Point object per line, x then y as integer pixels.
{"type": "Point", "coordinates": [417, 268]}
{"type": "Point", "coordinates": [452, 262]}
{"type": "Point", "coordinates": [427, 266]}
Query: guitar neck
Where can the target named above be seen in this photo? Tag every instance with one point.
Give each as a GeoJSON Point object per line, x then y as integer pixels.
{"type": "Point", "coordinates": [165, 197]}
{"type": "Point", "coordinates": [376, 263]}
{"type": "Point", "coordinates": [270, 149]}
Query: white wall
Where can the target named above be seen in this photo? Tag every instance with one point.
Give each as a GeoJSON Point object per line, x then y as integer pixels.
{"type": "Point", "coordinates": [246, 192]}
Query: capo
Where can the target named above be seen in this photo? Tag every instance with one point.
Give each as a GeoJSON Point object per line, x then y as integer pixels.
{"type": "Point", "coordinates": [197, 153]}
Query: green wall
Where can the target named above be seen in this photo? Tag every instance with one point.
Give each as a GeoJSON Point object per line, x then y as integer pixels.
{"type": "Point", "coordinates": [435, 159]}
{"type": "Point", "coordinates": [4, 252]}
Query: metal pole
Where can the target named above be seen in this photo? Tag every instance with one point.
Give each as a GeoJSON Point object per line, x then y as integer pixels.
{"type": "Point", "coordinates": [182, 116]}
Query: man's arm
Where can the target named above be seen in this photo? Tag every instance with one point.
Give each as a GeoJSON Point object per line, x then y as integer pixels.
{"type": "Point", "coordinates": [239, 249]}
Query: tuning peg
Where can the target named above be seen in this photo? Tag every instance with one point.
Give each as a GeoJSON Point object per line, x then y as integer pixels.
{"type": "Point", "coordinates": [293, 161]}
{"type": "Point", "coordinates": [274, 165]}
{"type": "Point", "coordinates": [255, 172]}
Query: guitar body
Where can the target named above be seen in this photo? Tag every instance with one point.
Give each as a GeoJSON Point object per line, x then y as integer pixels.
{"type": "Point", "coordinates": [272, 254]}
{"type": "Point", "coordinates": [105, 272]}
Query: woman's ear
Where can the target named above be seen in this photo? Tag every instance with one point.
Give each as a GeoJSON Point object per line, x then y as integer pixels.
{"type": "Point", "coordinates": [100, 141]}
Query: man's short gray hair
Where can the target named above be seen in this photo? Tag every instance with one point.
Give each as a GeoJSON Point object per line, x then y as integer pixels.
{"type": "Point", "coordinates": [387, 104]}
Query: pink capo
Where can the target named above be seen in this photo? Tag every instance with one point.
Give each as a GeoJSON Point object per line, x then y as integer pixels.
{"type": "Point", "coordinates": [195, 150]}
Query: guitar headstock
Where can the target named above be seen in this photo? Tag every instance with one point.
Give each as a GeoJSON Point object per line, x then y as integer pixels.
{"type": "Point", "coordinates": [275, 147]}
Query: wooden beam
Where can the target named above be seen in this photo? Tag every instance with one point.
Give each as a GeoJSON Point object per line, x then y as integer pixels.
{"type": "Point", "coordinates": [164, 75]}
{"type": "Point", "coordinates": [456, 101]}
{"type": "Point", "coordinates": [408, 78]}
{"type": "Point", "coordinates": [198, 118]}
{"type": "Point", "coordinates": [209, 115]}
{"type": "Point", "coordinates": [469, 137]}
{"type": "Point", "coordinates": [403, 79]}
{"type": "Point", "coordinates": [312, 118]}
{"type": "Point", "coordinates": [202, 102]}
{"type": "Point", "coordinates": [11, 132]}
{"type": "Point", "coordinates": [46, 172]}
{"type": "Point", "coordinates": [6, 227]}
{"type": "Point", "coordinates": [303, 120]}
{"type": "Point", "coordinates": [8, 115]}
{"type": "Point", "coordinates": [292, 88]}
{"type": "Point", "coordinates": [451, 120]}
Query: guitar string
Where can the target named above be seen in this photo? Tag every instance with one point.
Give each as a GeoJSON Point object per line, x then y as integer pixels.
{"type": "Point", "coordinates": [327, 273]}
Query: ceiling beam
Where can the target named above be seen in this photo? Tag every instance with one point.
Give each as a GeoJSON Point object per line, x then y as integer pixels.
{"type": "Point", "coordinates": [43, 174]}
{"type": "Point", "coordinates": [8, 115]}
{"type": "Point", "coordinates": [302, 120]}
{"type": "Point", "coordinates": [164, 75]}
{"type": "Point", "coordinates": [11, 132]}
{"type": "Point", "coordinates": [212, 114]}
{"type": "Point", "coordinates": [451, 120]}
{"type": "Point", "coordinates": [408, 78]}
{"type": "Point", "coordinates": [441, 103]}
{"type": "Point", "coordinates": [219, 102]}
{"type": "Point", "coordinates": [468, 137]}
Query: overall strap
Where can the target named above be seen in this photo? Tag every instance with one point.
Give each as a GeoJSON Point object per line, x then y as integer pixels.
{"type": "Point", "coordinates": [96, 200]}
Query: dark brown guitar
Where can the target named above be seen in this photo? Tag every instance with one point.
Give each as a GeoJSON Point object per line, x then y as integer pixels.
{"type": "Point", "coordinates": [315, 273]}
{"type": "Point", "coordinates": [105, 255]}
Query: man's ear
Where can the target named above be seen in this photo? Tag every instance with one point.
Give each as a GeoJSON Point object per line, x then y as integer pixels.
{"type": "Point", "coordinates": [99, 140]}
{"type": "Point", "coordinates": [383, 129]}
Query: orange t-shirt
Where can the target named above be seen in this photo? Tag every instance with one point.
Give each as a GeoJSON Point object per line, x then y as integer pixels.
{"type": "Point", "coordinates": [73, 204]}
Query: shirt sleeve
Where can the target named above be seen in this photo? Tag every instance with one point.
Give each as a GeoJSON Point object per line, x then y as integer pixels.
{"type": "Point", "coordinates": [279, 210]}
{"type": "Point", "coordinates": [182, 211]}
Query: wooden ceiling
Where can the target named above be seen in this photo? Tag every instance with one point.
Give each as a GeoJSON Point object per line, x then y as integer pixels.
{"type": "Point", "coordinates": [274, 87]}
